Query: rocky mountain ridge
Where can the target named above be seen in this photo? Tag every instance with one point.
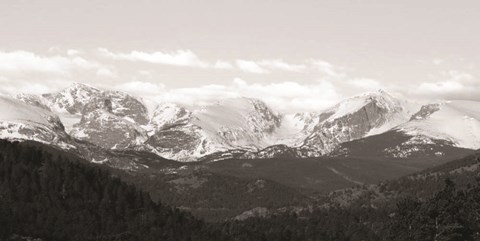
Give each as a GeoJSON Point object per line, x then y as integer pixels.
{"type": "Point", "coordinates": [248, 128]}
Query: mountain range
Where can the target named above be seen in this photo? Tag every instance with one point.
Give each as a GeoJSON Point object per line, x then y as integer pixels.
{"type": "Point", "coordinates": [237, 157]}
{"type": "Point", "coordinates": [242, 128]}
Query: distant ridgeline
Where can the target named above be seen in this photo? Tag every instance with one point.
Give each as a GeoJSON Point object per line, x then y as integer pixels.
{"type": "Point", "coordinates": [48, 194]}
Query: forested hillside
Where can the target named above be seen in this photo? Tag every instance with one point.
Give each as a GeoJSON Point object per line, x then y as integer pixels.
{"type": "Point", "coordinates": [48, 195]}
{"type": "Point", "coordinates": [451, 214]}
{"type": "Point", "coordinates": [51, 195]}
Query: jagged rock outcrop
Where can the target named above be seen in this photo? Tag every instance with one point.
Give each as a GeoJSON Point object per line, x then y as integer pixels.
{"type": "Point", "coordinates": [353, 119]}
{"type": "Point", "coordinates": [21, 121]}
{"type": "Point", "coordinates": [228, 124]}
{"type": "Point", "coordinates": [425, 111]}
{"type": "Point", "coordinates": [105, 129]}
{"type": "Point", "coordinates": [244, 127]}
{"type": "Point", "coordinates": [119, 104]}
{"type": "Point", "coordinates": [73, 99]}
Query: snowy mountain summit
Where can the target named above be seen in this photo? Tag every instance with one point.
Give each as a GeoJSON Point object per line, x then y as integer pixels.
{"type": "Point", "coordinates": [227, 124]}
{"type": "Point", "coordinates": [234, 128]}
{"type": "Point", "coordinates": [355, 118]}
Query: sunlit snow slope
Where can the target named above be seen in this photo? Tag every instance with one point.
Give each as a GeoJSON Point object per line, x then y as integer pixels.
{"type": "Point", "coordinates": [454, 121]}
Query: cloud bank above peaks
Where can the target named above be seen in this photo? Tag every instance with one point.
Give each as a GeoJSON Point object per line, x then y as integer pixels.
{"type": "Point", "coordinates": [28, 72]}
{"type": "Point", "coordinates": [285, 97]}
{"type": "Point", "coordinates": [187, 58]}
{"type": "Point", "coordinates": [452, 84]}
{"type": "Point", "coordinates": [178, 57]}
{"type": "Point", "coordinates": [27, 62]}
{"type": "Point", "coordinates": [182, 76]}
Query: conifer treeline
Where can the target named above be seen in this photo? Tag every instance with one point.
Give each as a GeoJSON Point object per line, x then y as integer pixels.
{"type": "Point", "coordinates": [51, 195]}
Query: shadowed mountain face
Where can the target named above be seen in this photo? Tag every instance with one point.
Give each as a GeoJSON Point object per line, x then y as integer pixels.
{"type": "Point", "coordinates": [397, 145]}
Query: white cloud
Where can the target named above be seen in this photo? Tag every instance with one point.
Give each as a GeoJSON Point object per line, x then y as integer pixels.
{"type": "Point", "coordinates": [281, 65]}
{"type": "Point", "coordinates": [20, 61]}
{"type": "Point", "coordinates": [196, 96]}
{"type": "Point", "coordinates": [311, 84]}
{"type": "Point", "coordinates": [250, 66]}
{"type": "Point", "coordinates": [284, 96]}
{"type": "Point", "coordinates": [268, 65]}
{"type": "Point", "coordinates": [441, 87]}
{"type": "Point", "coordinates": [452, 84]}
{"type": "Point", "coordinates": [28, 72]}
{"type": "Point", "coordinates": [188, 58]}
{"type": "Point", "coordinates": [327, 69]}
{"type": "Point", "coordinates": [141, 88]}
{"type": "Point", "coordinates": [105, 72]}
{"type": "Point", "coordinates": [178, 57]}
{"type": "Point", "coordinates": [287, 97]}
{"type": "Point", "coordinates": [73, 52]}
{"type": "Point", "coordinates": [458, 76]}
{"type": "Point", "coordinates": [26, 62]}
{"type": "Point", "coordinates": [364, 84]}
{"type": "Point", "coordinates": [146, 73]}
{"type": "Point", "coordinates": [17, 86]}
{"type": "Point", "coordinates": [438, 61]}
{"type": "Point", "coordinates": [222, 65]}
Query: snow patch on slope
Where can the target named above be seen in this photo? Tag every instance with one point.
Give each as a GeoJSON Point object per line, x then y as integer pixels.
{"type": "Point", "coordinates": [294, 128]}
{"type": "Point", "coordinates": [454, 121]}
{"type": "Point", "coordinates": [21, 121]}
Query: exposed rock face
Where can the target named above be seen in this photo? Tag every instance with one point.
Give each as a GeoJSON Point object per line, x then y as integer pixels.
{"type": "Point", "coordinates": [168, 115]}
{"type": "Point", "coordinates": [182, 142]}
{"type": "Point", "coordinates": [21, 121]}
{"type": "Point", "coordinates": [80, 99]}
{"type": "Point", "coordinates": [109, 119]}
{"type": "Point", "coordinates": [457, 122]}
{"type": "Point", "coordinates": [72, 99]}
{"type": "Point", "coordinates": [425, 111]}
{"type": "Point", "coordinates": [119, 104]}
{"type": "Point", "coordinates": [34, 100]}
{"type": "Point", "coordinates": [350, 120]}
{"type": "Point", "coordinates": [234, 123]}
{"type": "Point", "coordinates": [109, 131]}
{"type": "Point", "coordinates": [262, 117]}
{"type": "Point", "coordinates": [307, 120]}
{"type": "Point", "coordinates": [174, 134]}
{"type": "Point", "coordinates": [240, 127]}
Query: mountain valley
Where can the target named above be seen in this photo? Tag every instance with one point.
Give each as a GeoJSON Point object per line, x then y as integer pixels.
{"type": "Point", "coordinates": [208, 159]}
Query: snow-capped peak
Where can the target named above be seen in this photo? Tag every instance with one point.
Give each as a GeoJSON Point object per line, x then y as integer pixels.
{"type": "Point", "coordinates": [72, 99]}
{"type": "Point", "coordinates": [22, 121]}
{"type": "Point", "coordinates": [380, 98]}
{"type": "Point", "coordinates": [230, 123]}
{"type": "Point", "coordinates": [454, 121]}
{"type": "Point", "coordinates": [113, 119]}
{"type": "Point", "coordinates": [167, 114]}
{"type": "Point", "coordinates": [356, 117]}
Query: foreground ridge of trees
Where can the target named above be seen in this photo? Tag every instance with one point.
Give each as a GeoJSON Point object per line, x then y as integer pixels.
{"type": "Point", "coordinates": [51, 195]}
{"type": "Point", "coordinates": [55, 197]}
{"type": "Point", "coordinates": [451, 215]}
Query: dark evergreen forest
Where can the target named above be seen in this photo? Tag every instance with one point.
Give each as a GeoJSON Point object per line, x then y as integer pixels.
{"type": "Point", "coordinates": [48, 194]}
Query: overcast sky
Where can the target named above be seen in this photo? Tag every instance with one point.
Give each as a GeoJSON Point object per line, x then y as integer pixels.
{"type": "Point", "coordinates": [297, 55]}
